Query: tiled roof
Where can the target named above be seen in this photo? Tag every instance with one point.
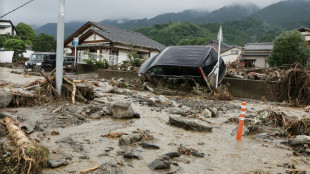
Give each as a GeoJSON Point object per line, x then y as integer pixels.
{"type": "Point", "coordinates": [118, 35]}
{"type": "Point", "coordinates": [302, 28]}
{"type": "Point", "coordinates": [258, 46]}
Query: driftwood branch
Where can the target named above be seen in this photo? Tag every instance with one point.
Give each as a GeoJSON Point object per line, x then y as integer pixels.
{"type": "Point", "coordinates": [73, 91]}
{"type": "Point", "coordinates": [59, 108]}
{"type": "Point", "coordinates": [89, 170]}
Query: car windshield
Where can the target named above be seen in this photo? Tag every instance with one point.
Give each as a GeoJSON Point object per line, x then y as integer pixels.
{"type": "Point", "coordinates": [37, 57]}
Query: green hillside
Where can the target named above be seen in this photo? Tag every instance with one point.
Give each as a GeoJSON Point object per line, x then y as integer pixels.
{"type": "Point", "coordinates": [288, 14]}
{"type": "Point", "coordinates": [236, 32]}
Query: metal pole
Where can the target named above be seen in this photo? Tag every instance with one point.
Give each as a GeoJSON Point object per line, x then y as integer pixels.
{"type": "Point", "coordinates": [75, 60]}
{"type": "Point", "coordinates": [218, 58]}
{"type": "Point", "coordinates": [60, 45]}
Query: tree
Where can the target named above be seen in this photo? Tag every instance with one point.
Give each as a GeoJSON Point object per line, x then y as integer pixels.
{"type": "Point", "coordinates": [26, 32]}
{"type": "Point", "coordinates": [5, 37]}
{"type": "Point", "coordinates": [288, 48]}
{"type": "Point", "coordinates": [44, 43]}
{"type": "Point", "coordinates": [16, 45]}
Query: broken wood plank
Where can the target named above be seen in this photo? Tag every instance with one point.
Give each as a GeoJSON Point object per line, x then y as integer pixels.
{"type": "Point", "coordinates": [89, 170]}
{"type": "Point", "coordinates": [60, 107]}
{"type": "Point", "coordinates": [73, 91]}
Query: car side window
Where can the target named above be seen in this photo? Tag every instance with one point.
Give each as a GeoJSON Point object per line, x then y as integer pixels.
{"type": "Point", "coordinates": [208, 60]}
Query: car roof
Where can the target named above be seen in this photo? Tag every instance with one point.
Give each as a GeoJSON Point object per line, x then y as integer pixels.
{"type": "Point", "coordinates": [43, 53]}
{"type": "Point", "coordinates": [190, 56]}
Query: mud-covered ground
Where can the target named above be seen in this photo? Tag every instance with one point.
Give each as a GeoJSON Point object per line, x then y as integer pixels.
{"type": "Point", "coordinates": [75, 134]}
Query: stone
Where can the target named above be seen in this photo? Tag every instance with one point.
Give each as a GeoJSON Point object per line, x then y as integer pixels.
{"type": "Point", "coordinates": [124, 140]}
{"type": "Point", "coordinates": [214, 112]}
{"type": "Point", "coordinates": [197, 154]}
{"type": "Point", "coordinates": [160, 163]}
{"type": "Point", "coordinates": [151, 101]}
{"type": "Point", "coordinates": [54, 163]}
{"type": "Point", "coordinates": [148, 145]}
{"type": "Point", "coordinates": [190, 123]}
{"type": "Point", "coordinates": [173, 154]}
{"type": "Point", "coordinates": [2, 130]}
{"type": "Point", "coordinates": [299, 140]}
{"type": "Point", "coordinates": [95, 115]}
{"type": "Point", "coordinates": [206, 113]}
{"type": "Point", "coordinates": [129, 139]}
{"type": "Point", "coordinates": [164, 101]}
{"type": "Point", "coordinates": [6, 98]}
{"type": "Point", "coordinates": [136, 115]}
{"type": "Point", "coordinates": [135, 138]}
{"type": "Point", "coordinates": [131, 155]}
{"type": "Point", "coordinates": [176, 111]}
{"type": "Point", "coordinates": [245, 131]}
{"type": "Point", "coordinates": [122, 110]}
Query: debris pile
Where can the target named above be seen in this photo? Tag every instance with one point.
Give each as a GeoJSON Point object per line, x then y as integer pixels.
{"type": "Point", "coordinates": [24, 156]}
{"type": "Point", "coordinates": [293, 87]}
{"type": "Point", "coordinates": [41, 91]}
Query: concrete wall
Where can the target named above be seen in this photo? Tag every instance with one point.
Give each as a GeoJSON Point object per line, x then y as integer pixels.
{"type": "Point", "coordinates": [85, 68]}
{"type": "Point", "coordinates": [109, 74]}
{"type": "Point", "coordinates": [255, 89]}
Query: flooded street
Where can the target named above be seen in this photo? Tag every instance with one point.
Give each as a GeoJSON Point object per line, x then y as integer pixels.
{"type": "Point", "coordinates": [75, 134]}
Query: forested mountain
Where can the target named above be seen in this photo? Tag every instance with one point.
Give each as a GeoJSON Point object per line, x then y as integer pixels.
{"type": "Point", "coordinates": [194, 16]}
{"type": "Point", "coordinates": [51, 28]}
{"type": "Point", "coordinates": [236, 32]}
{"type": "Point", "coordinates": [241, 23]}
{"type": "Point", "coordinates": [288, 14]}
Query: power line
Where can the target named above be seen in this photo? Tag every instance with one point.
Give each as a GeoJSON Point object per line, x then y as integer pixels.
{"type": "Point", "coordinates": [16, 8]}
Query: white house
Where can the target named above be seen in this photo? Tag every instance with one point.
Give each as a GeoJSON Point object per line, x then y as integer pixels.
{"type": "Point", "coordinates": [7, 27]}
{"type": "Point", "coordinates": [231, 55]}
{"type": "Point", "coordinates": [111, 43]}
{"type": "Point", "coordinates": [256, 54]}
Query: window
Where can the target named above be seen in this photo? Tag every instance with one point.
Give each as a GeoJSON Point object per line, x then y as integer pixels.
{"type": "Point", "coordinates": [234, 52]}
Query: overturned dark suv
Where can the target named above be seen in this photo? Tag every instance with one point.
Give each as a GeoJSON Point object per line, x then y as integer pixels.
{"type": "Point", "coordinates": [196, 63]}
{"type": "Point", "coordinates": [43, 60]}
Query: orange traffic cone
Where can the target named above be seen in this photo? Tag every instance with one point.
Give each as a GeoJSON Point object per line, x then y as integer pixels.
{"type": "Point", "coordinates": [241, 121]}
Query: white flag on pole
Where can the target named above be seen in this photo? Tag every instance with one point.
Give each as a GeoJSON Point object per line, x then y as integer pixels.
{"type": "Point", "coordinates": [220, 35]}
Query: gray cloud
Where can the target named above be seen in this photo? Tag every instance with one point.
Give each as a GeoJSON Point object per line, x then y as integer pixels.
{"type": "Point", "coordinates": [44, 11]}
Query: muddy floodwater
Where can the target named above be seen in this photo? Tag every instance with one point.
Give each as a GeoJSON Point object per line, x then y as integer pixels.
{"type": "Point", "coordinates": [72, 134]}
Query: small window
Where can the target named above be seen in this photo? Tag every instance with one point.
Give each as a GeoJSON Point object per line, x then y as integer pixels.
{"type": "Point", "coordinates": [234, 52]}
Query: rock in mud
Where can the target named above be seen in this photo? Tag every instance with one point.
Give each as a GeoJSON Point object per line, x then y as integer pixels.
{"type": "Point", "coordinates": [214, 112]}
{"type": "Point", "coordinates": [53, 163]}
{"type": "Point", "coordinates": [131, 155]}
{"type": "Point", "coordinates": [176, 111]}
{"type": "Point", "coordinates": [122, 110]}
{"type": "Point", "coordinates": [6, 98]}
{"type": "Point", "coordinates": [148, 145]}
{"type": "Point", "coordinates": [173, 154]}
{"type": "Point", "coordinates": [2, 130]}
{"type": "Point", "coordinates": [190, 124]}
{"type": "Point", "coordinates": [129, 139]}
{"type": "Point", "coordinates": [197, 154]}
{"type": "Point", "coordinates": [245, 131]}
{"type": "Point", "coordinates": [164, 101]}
{"type": "Point", "coordinates": [160, 163]}
{"type": "Point", "coordinates": [299, 140]}
{"type": "Point", "coordinates": [206, 113]}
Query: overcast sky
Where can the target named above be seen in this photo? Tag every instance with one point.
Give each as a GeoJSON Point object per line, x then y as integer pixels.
{"type": "Point", "coordinates": [40, 12]}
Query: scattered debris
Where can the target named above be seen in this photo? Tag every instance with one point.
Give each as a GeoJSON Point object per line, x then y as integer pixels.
{"type": "Point", "coordinates": [29, 156]}
{"type": "Point", "coordinates": [293, 87]}
{"type": "Point", "coordinates": [114, 134]}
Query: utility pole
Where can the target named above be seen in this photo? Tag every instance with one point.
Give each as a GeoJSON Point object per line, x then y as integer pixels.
{"type": "Point", "coordinates": [60, 45]}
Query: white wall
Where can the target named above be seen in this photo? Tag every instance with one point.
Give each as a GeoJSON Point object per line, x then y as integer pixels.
{"type": "Point", "coordinates": [6, 56]}
{"type": "Point", "coordinates": [260, 62]}
{"type": "Point", "coordinates": [154, 53]}
{"type": "Point", "coordinates": [94, 37]}
{"type": "Point", "coordinates": [228, 57]}
{"type": "Point", "coordinates": [122, 55]}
